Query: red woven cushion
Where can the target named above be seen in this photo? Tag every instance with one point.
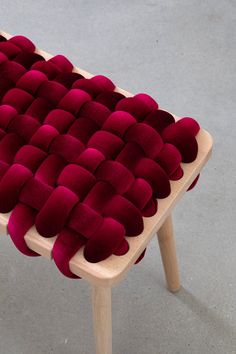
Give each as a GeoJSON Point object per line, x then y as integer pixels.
{"type": "Point", "coordinates": [80, 160]}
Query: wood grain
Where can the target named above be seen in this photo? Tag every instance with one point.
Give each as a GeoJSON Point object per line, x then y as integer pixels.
{"type": "Point", "coordinates": [102, 319]}
{"type": "Point", "coordinates": [168, 254]}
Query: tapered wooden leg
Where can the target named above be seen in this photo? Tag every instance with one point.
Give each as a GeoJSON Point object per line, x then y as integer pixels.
{"type": "Point", "coordinates": [168, 255]}
{"type": "Point", "coordinates": [102, 319]}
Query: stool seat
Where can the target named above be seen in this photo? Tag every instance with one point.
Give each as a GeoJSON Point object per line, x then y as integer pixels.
{"type": "Point", "coordinates": [112, 269]}
{"type": "Point", "coordinates": [105, 273]}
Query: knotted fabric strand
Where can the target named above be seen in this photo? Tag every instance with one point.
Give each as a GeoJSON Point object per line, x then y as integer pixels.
{"type": "Point", "coordinates": [80, 160]}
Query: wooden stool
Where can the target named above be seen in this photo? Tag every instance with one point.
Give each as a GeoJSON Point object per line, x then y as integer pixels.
{"type": "Point", "coordinates": [103, 275]}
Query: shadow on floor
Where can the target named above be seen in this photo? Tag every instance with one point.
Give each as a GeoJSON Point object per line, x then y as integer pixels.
{"type": "Point", "coordinates": [208, 316]}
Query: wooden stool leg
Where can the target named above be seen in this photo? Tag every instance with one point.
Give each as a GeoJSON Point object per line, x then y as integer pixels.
{"type": "Point", "coordinates": [102, 319]}
{"type": "Point", "coordinates": [168, 255]}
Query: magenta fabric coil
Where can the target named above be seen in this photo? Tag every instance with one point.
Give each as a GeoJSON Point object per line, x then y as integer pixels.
{"type": "Point", "coordinates": [80, 160]}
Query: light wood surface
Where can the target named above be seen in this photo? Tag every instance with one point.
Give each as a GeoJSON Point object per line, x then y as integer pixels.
{"type": "Point", "coordinates": [168, 254]}
{"type": "Point", "coordinates": [102, 319]}
{"type": "Point", "coordinates": [113, 269]}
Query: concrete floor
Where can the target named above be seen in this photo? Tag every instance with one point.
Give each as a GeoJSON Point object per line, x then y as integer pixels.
{"type": "Point", "coordinates": [182, 53]}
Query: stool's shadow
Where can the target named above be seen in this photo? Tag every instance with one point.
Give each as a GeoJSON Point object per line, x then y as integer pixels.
{"type": "Point", "coordinates": [217, 324]}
